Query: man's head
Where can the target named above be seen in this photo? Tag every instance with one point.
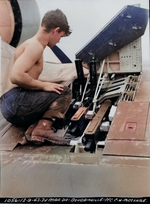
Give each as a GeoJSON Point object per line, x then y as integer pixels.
{"type": "Point", "coordinates": [54, 19]}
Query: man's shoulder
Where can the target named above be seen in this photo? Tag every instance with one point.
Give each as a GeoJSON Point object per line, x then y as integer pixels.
{"type": "Point", "coordinates": [33, 45]}
{"type": "Point", "coordinates": [33, 42]}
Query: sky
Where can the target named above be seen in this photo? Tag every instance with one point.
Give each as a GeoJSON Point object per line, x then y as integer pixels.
{"type": "Point", "coordinates": [88, 17]}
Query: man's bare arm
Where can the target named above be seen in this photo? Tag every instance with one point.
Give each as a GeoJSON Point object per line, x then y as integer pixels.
{"type": "Point", "coordinates": [22, 75]}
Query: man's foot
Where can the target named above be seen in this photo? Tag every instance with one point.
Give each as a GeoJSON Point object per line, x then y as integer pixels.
{"type": "Point", "coordinates": [29, 132]}
{"type": "Point", "coordinates": [43, 132]}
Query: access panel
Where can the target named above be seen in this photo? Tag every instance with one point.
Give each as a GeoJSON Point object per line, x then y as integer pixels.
{"type": "Point", "coordinates": [128, 25]}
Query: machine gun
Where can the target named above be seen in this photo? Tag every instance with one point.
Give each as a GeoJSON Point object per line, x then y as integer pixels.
{"type": "Point", "coordinates": [85, 113]}
{"type": "Point", "coordinates": [117, 80]}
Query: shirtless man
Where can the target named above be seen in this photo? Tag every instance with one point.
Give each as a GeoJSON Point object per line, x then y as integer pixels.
{"type": "Point", "coordinates": [32, 103]}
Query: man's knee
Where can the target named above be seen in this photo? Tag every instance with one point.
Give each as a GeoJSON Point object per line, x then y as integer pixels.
{"type": "Point", "coordinates": [66, 95]}
{"type": "Point", "coordinates": [63, 101]}
{"type": "Point", "coordinates": [66, 91]}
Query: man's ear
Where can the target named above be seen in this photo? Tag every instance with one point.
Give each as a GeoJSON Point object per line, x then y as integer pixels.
{"type": "Point", "coordinates": [57, 29]}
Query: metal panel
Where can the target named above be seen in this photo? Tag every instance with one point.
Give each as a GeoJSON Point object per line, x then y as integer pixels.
{"type": "Point", "coordinates": [129, 143]}
{"type": "Point", "coordinates": [130, 121]}
{"type": "Point", "coordinates": [11, 138]}
{"type": "Point", "coordinates": [126, 60]}
{"type": "Point", "coordinates": [125, 161]}
{"type": "Point", "coordinates": [24, 179]}
{"type": "Point", "coordinates": [143, 92]}
{"type": "Point", "coordinates": [128, 25]}
{"type": "Point", "coordinates": [127, 148]}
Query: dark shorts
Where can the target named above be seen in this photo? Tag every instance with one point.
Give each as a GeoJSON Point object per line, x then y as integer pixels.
{"type": "Point", "coordinates": [24, 107]}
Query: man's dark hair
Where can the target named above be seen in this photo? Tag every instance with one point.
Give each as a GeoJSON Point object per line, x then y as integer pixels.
{"type": "Point", "coordinates": [56, 18]}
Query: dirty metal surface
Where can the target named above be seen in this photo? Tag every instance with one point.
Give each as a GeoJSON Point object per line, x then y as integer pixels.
{"type": "Point", "coordinates": [125, 161]}
{"type": "Point", "coordinates": [143, 92]}
{"type": "Point", "coordinates": [127, 148]}
{"type": "Point", "coordinates": [129, 122]}
{"type": "Point", "coordinates": [139, 148]}
{"type": "Point", "coordinates": [4, 126]}
{"type": "Point", "coordinates": [11, 138]}
{"type": "Point", "coordinates": [50, 171]}
{"type": "Point", "coordinates": [65, 180]}
{"type": "Point", "coordinates": [115, 160]}
{"type": "Point", "coordinates": [147, 134]}
{"type": "Point", "coordinates": [30, 155]}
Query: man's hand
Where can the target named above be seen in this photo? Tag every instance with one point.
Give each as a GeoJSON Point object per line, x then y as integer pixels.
{"type": "Point", "coordinates": [49, 86]}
